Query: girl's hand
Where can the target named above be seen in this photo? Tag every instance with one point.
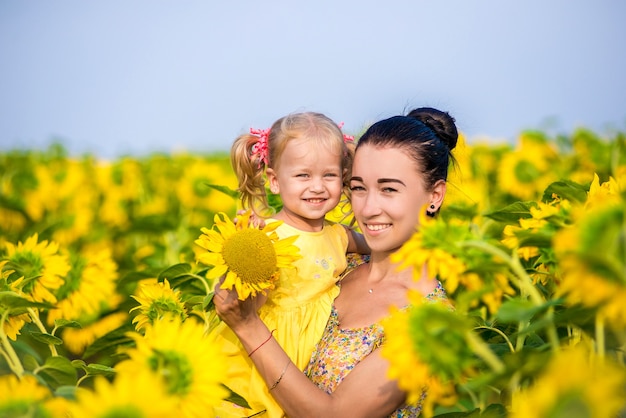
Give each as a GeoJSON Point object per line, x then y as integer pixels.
{"type": "Point", "coordinates": [254, 220]}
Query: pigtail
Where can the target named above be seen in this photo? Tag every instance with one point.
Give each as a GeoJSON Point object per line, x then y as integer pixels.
{"type": "Point", "coordinates": [249, 164]}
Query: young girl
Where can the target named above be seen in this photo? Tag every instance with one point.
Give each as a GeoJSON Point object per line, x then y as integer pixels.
{"type": "Point", "coordinates": [306, 161]}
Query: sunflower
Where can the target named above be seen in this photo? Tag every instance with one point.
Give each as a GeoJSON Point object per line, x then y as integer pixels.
{"type": "Point", "coordinates": [24, 397]}
{"type": "Point", "coordinates": [437, 352]}
{"type": "Point", "coordinates": [527, 170]}
{"type": "Point", "coordinates": [157, 300]}
{"type": "Point", "coordinates": [137, 395]}
{"type": "Point", "coordinates": [89, 285]}
{"type": "Point", "coordinates": [574, 383]}
{"type": "Point", "coordinates": [78, 339]}
{"type": "Point", "coordinates": [250, 257]}
{"type": "Point", "coordinates": [190, 364]}
{"type": "Point", "coordinates": [39, 268]}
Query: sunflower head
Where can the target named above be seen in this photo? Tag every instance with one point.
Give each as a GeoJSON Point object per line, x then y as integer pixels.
{"type": "Point", "coordinates": [157, 300]}
{"type": "Point", "coordinates": [250, 257]}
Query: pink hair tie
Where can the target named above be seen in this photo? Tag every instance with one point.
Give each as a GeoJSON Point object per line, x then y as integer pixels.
{"type": "Point", "coordinates": [261, 147]}
{"type": "Point", "coordinates": [346, 138]}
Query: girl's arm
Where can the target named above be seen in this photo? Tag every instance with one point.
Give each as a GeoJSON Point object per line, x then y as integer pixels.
{"type": "Point", "coordinates": [365, 392]}
{"type": "Point", "coordinates": [356, 242]}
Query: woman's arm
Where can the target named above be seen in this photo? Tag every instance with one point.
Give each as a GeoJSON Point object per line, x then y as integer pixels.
{"type": "Point", "coordinates": [365, 392]}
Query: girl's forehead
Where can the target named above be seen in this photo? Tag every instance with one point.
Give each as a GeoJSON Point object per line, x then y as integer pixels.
{"type": "Point", "coordinates": [302, 145]}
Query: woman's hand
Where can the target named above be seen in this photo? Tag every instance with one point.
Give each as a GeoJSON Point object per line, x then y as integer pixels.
{"type": "Point", "coordinates": [235, 313]}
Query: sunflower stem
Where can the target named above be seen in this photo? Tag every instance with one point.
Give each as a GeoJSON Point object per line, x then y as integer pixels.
{"type": "Point", "coordinates": [502, 334]}
{"type": "Point", "coordinates": [600, 344]}
{"type": "Point", "coordinates": [524, 282]}
{"type": "Point", "coordinates": [482, 350]}
{"type": "Point", "coordinates": [35, 317]}
{"type": "Point", "coordinates": [8, 351]}
{"type": "Point", "coordinates": [204, 282]}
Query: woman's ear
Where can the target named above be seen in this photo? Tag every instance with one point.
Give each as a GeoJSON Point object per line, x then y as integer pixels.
{"type": "Point", "coordinates": [437, 194]}
{"type": "Point", "coordinates": [272, 180]}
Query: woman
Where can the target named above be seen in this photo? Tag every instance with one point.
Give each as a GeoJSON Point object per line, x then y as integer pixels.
{"type": "Point", "coordinates": [400, 169]}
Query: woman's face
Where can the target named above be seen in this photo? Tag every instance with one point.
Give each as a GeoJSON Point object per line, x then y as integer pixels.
{"type": "Point", "coordinates": [388, 194]}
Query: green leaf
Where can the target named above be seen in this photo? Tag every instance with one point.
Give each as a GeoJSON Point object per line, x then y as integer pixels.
{"type": "Point", "coordinates": [515, 310]}
{"type": "Point", "coordinates": [513, 212]}
{"type": "Point", "coordinates": [565, 189]}
{"type": "Point", "coordinates": [66, 391]}
{"type": "Point", "coordinates": [58, 371]}
{"type": "Point", "coordinates": [226, 190]}
{"type": "Point", "coordinates": [12, 301]}
{"type": "Point", "coordinates": [61, 323]}
{"type": "Point", "coordinates": [94, 369]}
{"type": "Point", "coordinates": [113, 339]}
{"type": "Point", "coordinates": [528, 238]}
{"type": "Point", "coordinates": [46, 338]}
{"type": "Point", "coordinates": [174, 271]}
{"type": "Point", "coordinates": [30, 362]}
{"type": "Point", "coordinates": [235, 398]}
{"type": "Point", "coordinates": [208, 303]}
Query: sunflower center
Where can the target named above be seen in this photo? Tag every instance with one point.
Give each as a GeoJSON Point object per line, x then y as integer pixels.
{"type": "Point", "coordinates": [250, 254]}
{"type": "Point", "coordinates": [526, 172]}
{"type": "Point", "coordinates": [27, 264]}
{"type": "Point", "coordinates": [127, 411]}
{"type": "Point", "coordinates": [176, 370]}
{"type": "Point", "coordinates": [437, 337]}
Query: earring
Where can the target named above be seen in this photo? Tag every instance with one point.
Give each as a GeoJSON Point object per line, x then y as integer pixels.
{"type": "Point", "coordinates": [431, 212]}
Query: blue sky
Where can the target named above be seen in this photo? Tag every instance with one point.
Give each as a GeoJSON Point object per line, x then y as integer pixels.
{"type": "Point", "coordinates": [131, 77]}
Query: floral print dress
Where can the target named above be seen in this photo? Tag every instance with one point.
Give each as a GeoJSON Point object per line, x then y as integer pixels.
{"type": "Point", "coordinates": [341, 349]}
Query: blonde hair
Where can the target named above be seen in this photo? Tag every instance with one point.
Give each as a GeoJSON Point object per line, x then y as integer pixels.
{"type": "Point", "coordinates": [249, 165]}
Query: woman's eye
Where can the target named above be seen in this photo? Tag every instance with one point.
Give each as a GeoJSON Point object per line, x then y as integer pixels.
{"type": "Point", "coordinates": [356, 188]}
{"type": "Point", "coordinates": [389, 190]}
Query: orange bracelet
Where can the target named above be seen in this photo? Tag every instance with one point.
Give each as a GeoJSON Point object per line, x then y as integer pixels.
{"type": "Point", "coordinates": [263, 343]}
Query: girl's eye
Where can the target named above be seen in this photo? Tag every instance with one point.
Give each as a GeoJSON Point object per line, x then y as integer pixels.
{"type": "Point", "coordinates": [331, 175]}
{"type": "Point", "coordinates": [302, 175]}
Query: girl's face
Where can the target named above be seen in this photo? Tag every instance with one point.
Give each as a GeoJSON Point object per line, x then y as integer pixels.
{"type": "Point", "coordinates": [308, 178]}
{"type": "Point", "coordinates": [388, 194]}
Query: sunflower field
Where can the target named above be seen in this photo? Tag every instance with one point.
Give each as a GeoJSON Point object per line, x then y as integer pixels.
{"type": "Point", "coordinates": [530, 246]}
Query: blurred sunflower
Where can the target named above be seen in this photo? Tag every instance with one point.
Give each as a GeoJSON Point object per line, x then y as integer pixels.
{"type": "Point", "coordinates": [591, 256]}
{"type": "Point", "coordinates": [437, 354]}
{"type": "Point", "coordinates": [156, 301]}
{"type": "Point", "coordinates": [187, 361]}
{"type": "Point", "coordinates": [90, 284]}
{"type": "Point", "coordinates": [575, 383]}
{"type": "Point", "coordinates": [526, 171]}
{"type": "Point", "coordinates": [136, 395]}
{"type": "Point", "coordinates": [78, 339]}
{"type": "Point", "coordinates": [25, 397]}
{"type": "Point", "coordinates": [13, 323]}
{"type": "Point", "coordinates": [250, 257]}
{"type": "Point", "coordinates": [39, 268]}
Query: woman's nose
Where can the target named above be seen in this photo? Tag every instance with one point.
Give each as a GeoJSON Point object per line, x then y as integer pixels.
{"type": "Point", "coordinates": [369, 205]}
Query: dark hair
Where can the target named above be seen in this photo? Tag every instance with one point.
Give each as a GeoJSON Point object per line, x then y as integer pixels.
{"type": "Point", "coordinates": [428, 135]}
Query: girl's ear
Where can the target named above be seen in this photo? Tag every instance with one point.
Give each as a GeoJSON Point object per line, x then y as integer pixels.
{"type": "Point", "coordinates": [272, 180]}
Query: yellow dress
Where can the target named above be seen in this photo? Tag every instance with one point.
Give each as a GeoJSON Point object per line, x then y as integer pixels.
{"type": "Point", "coordinates": [297, 309]}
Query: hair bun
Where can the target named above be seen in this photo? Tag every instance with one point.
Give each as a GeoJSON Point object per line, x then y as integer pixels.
{"type": "Point", "coordinates": [441, 123]}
